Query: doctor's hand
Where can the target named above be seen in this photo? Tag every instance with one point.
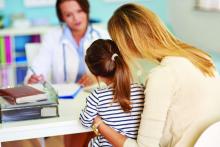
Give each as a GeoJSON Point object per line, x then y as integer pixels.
{"type": "Point", "coordinates": [86, 80]}
{"type": "Point", "coordinates": [35, 79]}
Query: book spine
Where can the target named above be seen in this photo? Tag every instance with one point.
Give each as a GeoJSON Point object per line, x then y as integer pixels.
{"type": "Point", "coordinates": [1, 48]}
{"type": "Point", "coordinates": [1, 75]}
{"type": "Point", "coordinates": [21, 72]}
{"type": "Point", "coordinates": [29, 113]}
{"type": "Point", "coordinates": [2, 51]}
{"type": "Point", "coordinates": [0, 114]}
{"type": "Point", "coordinates": [4, 76]}
{"type": "Point", "coordinates": [35, 38]}
{"type": "Point", "coordinates": [8, 50]}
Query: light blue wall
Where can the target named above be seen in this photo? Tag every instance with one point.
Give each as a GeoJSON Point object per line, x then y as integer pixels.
{"type": "Point", "coordinates": [100, 9]}
{"type": "Point", "coordinates": [196, 27]}
{"type": "Point", "coordinates": [103, 10]}
{"type": "Point", "coordinates": [17, 6]}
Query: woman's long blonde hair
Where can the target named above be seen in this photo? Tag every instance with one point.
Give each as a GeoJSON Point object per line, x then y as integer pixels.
{"type": "Point", "coordinates": [138, 32]}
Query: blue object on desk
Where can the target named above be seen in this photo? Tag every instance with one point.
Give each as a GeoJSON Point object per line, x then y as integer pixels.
{"type": "Point", "coordinates": [20, 74]}
{"type": "Point", "coordinates": [73, 95]}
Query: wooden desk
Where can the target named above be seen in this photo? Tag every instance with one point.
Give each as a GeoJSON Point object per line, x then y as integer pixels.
{"type": "Point", "coordinates": [67, 123]}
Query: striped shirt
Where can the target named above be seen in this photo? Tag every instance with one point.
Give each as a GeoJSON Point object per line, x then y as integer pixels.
{"type": "Point", "coordinates": [100, 102]}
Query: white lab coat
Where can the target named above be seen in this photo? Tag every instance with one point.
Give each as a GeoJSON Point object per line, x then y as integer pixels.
{"type": "Point", "coordinates": [50, 60]}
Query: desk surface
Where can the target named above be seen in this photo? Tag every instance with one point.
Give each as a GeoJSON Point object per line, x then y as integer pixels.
{"type": "Point", "coordinates": [67, 123]}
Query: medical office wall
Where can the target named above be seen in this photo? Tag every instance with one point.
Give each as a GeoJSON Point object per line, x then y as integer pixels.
{"type": "Point", "coordinates": [199, 27]}
{"type": "Point", "coordinates": [100, 10]}
{"type": "Point", "coordinates": [25, 21]}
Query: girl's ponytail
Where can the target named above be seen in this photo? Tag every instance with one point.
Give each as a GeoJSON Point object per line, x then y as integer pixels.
{"type": "Point", "coordinates": [104, 59]}
{"type": "Point", "coordinates": [122, 83]}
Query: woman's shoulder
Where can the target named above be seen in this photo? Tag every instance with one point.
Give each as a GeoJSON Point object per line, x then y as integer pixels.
{"type": "Point", "coordinates": [165, 71]}
{"type": "Point", "coordinates": [177, 69]}
{"type": "Point", "coordinates": [171, 64]}
{"type": "Point", "coordinates": [161, 69]}
{"type": "Point", "coordinates": [174, 60]}
{"type": "Point", "coordinates": [53, 32]}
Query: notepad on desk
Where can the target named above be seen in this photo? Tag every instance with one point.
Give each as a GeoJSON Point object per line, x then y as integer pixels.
{"type": "Point", "coordinates": [68, 92]}
{"type": "Point", "coordinates": [22, 94]}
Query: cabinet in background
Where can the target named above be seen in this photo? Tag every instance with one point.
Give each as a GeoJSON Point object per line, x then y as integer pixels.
{"type": "Point", "coordinates": [13, 61]}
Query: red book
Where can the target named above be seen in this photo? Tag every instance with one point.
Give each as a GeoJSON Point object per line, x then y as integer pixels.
{"type": "Point", "coordinates": [22, 94]}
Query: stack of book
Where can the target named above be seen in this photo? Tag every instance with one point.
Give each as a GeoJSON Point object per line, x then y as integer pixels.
{"type": "Point", "coordinates": [26, 102]}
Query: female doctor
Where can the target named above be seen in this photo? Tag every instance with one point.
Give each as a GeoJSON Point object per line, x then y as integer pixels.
{"type": "Point", "coordinates": [61, 56]}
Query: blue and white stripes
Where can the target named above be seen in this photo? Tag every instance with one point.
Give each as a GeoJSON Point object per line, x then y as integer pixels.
{"type": "Point", "coordinates": [100, 102]}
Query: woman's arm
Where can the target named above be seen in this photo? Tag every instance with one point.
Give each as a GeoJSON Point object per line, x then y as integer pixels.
{"type": "Point", "coordinates": [41, 63]}
{"type": "Point", "coordinates": [158, 93]}
{"type": "Point", "coordinates": [115, 138]}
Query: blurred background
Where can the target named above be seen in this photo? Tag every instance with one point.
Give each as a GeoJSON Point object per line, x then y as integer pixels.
{"type": "Point", "coordinates": [25, 21]}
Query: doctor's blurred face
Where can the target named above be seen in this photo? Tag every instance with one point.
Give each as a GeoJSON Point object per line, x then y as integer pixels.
{"type": "Point", "coordinates": [74, 16]}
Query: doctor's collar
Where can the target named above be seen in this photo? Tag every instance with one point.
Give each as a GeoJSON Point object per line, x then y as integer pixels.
{"type": "Point", "coordinates": [67, 33]}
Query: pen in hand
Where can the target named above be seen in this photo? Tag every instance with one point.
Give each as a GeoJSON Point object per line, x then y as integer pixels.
{"type": "Point", "coordinates": [32, 70]}
{"type": "Point", "coordinates": [39, 78]}
{"type": "Point", "coordinates": [34, 78]}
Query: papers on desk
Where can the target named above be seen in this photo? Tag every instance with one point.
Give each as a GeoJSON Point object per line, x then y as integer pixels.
{"type": "Point", "coordinates": [65, 91]}
{"type": "Point", "coordinates": [68, 92]}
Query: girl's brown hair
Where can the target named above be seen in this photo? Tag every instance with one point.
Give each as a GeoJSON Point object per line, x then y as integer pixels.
{"type": "Point", "coordinates": [138, 32]}
{"type": "Point", "coordinates": [84, 4]}
{"type": "Point", "coordinates": [104, 59]}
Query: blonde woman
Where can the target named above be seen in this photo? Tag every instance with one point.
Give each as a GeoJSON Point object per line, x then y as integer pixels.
{"type": "Point", "coordinates": [182, 93]}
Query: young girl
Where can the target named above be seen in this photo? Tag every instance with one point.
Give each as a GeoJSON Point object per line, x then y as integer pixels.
{"type": "Point", "coordinates": [120, 104]}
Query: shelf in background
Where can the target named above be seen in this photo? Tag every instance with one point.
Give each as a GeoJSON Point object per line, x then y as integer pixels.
{"type": "Point", "coordinates": [13, 62]}
{"type": "Point", "coordinates": [25, 31]}
{"type": "Point", "coordinates": [207, 9]}
{"type": "Point", "coordinates": [208, 5]}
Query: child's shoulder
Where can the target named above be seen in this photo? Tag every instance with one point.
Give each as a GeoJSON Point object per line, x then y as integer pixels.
{"type": "Point", "coordinates": [137, 85]}
{"type": "Point", "coordinates": [102, 89]}
{"type": "Point", "coordinates": [102, 92]}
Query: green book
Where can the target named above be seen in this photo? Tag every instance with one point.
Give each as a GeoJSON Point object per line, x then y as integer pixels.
{"type": "Point", "coordinates": [2, 51]}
